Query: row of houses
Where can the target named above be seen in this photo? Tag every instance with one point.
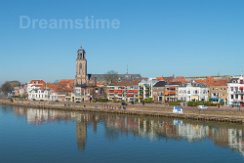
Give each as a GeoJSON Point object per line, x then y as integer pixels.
{"type": "Point", "coordinates": [41, 91]}
{"type": "Point", "coordinates": [160, 90]}
{"type": "Point", "coordinates": [163, 90]}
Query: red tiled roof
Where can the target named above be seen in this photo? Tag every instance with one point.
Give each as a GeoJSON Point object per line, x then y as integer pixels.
{"type": "Point", "coordinates": [210, 81]}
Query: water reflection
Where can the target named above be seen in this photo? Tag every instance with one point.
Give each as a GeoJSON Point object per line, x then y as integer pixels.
{"type": "Point", "coordinates": [222, 134]}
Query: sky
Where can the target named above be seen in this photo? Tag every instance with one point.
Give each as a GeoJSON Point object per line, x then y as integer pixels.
{"type": "Point", "coordinates": [154, 38]}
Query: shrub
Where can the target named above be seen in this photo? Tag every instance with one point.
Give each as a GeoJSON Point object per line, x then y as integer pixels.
{"type": "Point", "coordinates": [174, 103]}
{"type": "Point", "coordinates": [148, 100]}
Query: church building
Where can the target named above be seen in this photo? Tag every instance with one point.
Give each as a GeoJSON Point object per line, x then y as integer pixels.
{"type": "Point", "coordinates": [85, 84]}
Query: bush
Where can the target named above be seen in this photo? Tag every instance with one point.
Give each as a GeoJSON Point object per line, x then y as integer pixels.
{"type": "Point", "coordinates": [196, 103]}
{"type": "Point", "coordinates": [174, 103]}
{"type": "Point", "coordinates": [148, 100]}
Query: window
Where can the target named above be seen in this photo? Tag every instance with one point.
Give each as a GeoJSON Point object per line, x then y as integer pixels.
{"type": "Point", "coordinates": [241, 81]}
{"type": "Point", "coordinates": [232, 97]}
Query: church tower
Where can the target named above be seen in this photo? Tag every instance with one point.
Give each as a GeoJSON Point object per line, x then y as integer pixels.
{"type": "Point", "coordinates": [81, 67]}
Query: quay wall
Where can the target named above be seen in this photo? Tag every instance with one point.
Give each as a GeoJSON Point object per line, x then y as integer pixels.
{"type": "Point", "coordinates": [211, 114]}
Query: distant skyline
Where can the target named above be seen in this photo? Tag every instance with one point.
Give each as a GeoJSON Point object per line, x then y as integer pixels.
{"type": "Point", "coordinates": [154, 38]}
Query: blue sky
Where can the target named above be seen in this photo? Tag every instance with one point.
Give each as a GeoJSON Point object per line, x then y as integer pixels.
{"type": "Point", "coordinates": [156, 37]}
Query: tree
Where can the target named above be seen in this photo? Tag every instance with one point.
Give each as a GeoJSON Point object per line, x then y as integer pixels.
{"type": "Point", "coordinates": [111, 76]}
{"type": "Point", "coordinates": [8, 86]}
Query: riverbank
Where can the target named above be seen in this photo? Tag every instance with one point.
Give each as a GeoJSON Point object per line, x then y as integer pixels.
{"type": "Point", "coordinates": [222, 115]}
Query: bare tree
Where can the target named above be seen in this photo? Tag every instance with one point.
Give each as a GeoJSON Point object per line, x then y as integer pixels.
{"type": "Point", "coordinates": [111, 76]}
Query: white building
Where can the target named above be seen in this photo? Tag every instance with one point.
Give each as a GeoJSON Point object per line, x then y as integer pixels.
{"type": "Point", "coordinates": [57, 96]}
{"type": "Point", "coordinates": [39, 94]}
{"type": "Point", "coordinates": [193, 91]}
{"type": "Point", "coordinates": [236, 91]}
{"type": "Point", "coordinates": [146, 89]}
{"type": "Point", "coordinates": [35, 84]}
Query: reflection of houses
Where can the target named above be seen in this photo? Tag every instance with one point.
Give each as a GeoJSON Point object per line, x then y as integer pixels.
{"type": "Point", "coordinates": [37, 116]}
{"type": "Point", "coordinates": [236, 140]}
{"type": "Point", "coordinates": [192, 132]}
{"type": "Point", "coordinates": [151, 128]}
{"type": "Point", "coordinates": [219, 136]}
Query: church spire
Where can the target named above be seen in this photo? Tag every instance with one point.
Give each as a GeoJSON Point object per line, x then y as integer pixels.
{"type": "Point", "coordinates": [81, 67]}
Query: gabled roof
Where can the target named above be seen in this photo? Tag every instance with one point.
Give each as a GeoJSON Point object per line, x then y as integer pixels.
{"type": "Point", "coordinates": [160, 84]}
{"type": "Point", "coordinates": [194, 84]}
{"type": "Point", "coordinates": [219, 82]}
{"type": "Point", "coordinates": [174, 83]}
{"type": "Point", "coordinates": [233, 80]}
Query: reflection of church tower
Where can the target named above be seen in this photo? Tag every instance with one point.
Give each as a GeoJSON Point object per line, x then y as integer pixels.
{"type": "Point", "coordinates": [81, 131]}
{"type": "Point", "coordinates": [81, 67]}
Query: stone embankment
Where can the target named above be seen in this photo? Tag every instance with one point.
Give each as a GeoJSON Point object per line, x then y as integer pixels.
{"type": "Point", "coordinates": [233, 115]}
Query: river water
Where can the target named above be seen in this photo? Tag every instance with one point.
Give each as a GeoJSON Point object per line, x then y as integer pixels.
{"type": "Point", "coordinates": [37, 135]}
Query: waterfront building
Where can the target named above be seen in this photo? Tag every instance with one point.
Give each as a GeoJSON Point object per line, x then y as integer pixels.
{"type": "Point", "coordinates": [193, 91]}
{"type": "Point", "coordinates": [39, 94]}
{"type": "Point", "coordinates": [57, 96]}
{"type": "Point", "coordinates": [123, 90]}
{"type": "Point", "coordinates": [218, 90]}
{"type": "Point", "coordinates": [145, 89]}
{"type": "Point", "coordinates": [35, 84]}
{"type": "Point", "coordinates": [20, 91]}
{"type": "Point", "coordinates": [158, 91]}
{"type": "Point", "coordinates": [236, 91]}
{"type": "Point", "coordinates": [171, 91]}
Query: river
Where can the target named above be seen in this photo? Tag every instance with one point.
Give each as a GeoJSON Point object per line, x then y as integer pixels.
{"type": "Point", "coordinates": [39, 135]}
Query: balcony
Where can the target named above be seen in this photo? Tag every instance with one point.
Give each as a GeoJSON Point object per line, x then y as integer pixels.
{"type": "Point", "coordinates": [239, 92]}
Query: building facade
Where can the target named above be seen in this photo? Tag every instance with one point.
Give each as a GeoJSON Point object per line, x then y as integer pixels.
{"type": "Point", "coordinates": [145, 89]}
{"type": "Point", "coordinates": [171, 92]}
{"type": "Point", "coordinates": [39, 94]}
{"type": "Point", "coordinates": [193, 91]}
{"type": "Point", "coordinates": [158, 91]}
{"type": "Point", "coordinates": [236, 92]}
{"type": "Point", "coordinates": [218, 91]}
